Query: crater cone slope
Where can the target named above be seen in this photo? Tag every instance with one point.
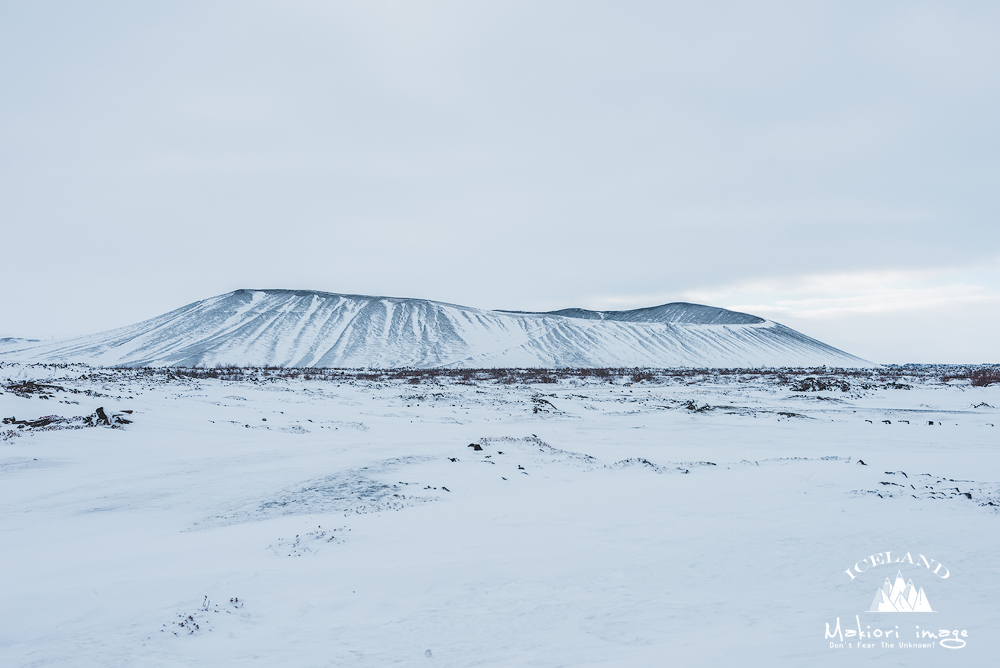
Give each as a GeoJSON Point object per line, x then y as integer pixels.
{"type": "Point", "coordinates": [305, 328]}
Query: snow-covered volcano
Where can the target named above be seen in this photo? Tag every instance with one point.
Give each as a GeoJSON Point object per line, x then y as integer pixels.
{"type": "Point", "coordinates": [305, 328]}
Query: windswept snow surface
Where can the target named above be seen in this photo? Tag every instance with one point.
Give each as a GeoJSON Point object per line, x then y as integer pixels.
{"type": "Point", "coordinates": [366, 519]}
{"type": "Point", "coordinates": [303, 328]}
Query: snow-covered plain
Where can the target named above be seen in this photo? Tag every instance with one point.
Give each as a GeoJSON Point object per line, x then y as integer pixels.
{"type": "Point", "coordinates": [344, 520]}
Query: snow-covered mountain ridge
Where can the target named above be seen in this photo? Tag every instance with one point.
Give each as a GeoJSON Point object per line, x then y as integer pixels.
{"type": "Point", "coordinates": [306, 328]}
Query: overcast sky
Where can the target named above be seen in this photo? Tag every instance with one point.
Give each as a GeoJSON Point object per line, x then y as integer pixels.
{"type": "Point", "coordinates": [833, 166]}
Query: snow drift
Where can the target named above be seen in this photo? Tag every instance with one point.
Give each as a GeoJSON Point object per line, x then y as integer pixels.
{"type": "Point", "coordinates": [305, 328]}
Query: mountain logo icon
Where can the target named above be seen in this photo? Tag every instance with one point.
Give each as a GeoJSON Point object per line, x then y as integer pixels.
{"type": "Point", "coordinates": [900, 596]}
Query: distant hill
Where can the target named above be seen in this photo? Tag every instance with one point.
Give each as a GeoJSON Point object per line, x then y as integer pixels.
{"type": "Point", "coordinates": [14, 342]}
{"type": "Point", "coordinates": [305, 328]}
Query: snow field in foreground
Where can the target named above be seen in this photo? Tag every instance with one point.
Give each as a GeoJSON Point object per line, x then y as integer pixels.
{"type": "Point", "coordinates": [301, 523]}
